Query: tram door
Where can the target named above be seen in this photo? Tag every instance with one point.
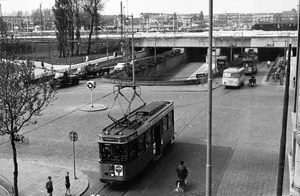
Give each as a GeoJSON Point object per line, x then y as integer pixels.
{"type": "Point", "coordinates": [157, 139]}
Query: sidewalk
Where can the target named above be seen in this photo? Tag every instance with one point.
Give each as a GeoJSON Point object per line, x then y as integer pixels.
{"type": "Point", "coordinates": [33, 176]}
{"type": "Point", "coordinates": [39, 69]}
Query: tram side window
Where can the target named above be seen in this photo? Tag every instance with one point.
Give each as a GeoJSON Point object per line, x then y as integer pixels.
{"type": "Point", "coordinates": [148, 138]}
{"type": "Point", "coordinates": [165, 124]}
{"type": "Point", "coordinates": [170, 119]}
{"type": "Point", "coordinates": [132, 148]}
{"type": "Point", "coordinates": [141, 144]}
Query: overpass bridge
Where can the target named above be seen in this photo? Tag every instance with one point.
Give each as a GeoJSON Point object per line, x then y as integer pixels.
{"type": "Point", "coordinates": [269, 44]}
{"type": "Point", "coordinates": [246, 39]}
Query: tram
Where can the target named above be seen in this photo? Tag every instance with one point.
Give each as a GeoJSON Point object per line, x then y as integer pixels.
{"type": "Point", "coordinates": [250, 64]}
{"type": "Point", "coordinates": [127, 145]}
{"type": "Point", "coordinates": [279, 26]}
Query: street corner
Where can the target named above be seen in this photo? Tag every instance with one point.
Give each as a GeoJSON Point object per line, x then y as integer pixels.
{"type": "Point", "coordinates": [33, 176]}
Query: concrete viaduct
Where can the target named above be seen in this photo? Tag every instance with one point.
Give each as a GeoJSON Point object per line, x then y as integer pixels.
{"type": "Point", "coordinates": [270, 44]}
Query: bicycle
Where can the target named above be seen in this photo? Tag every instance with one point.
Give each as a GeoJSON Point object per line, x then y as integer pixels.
{"type": "Point", "coordinates": [20, 138]}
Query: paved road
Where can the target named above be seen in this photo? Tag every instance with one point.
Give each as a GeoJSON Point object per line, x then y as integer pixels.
{"type": "Point", "coordinates": [245, 138]}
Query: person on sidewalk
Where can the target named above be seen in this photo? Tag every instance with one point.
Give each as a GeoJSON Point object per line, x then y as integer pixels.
{"type": "Point", "coordinates": [67, 183]}
{"type": "Point", "coordinates": [182, 173]}
{"type": "Point", "coordinates": [49, 186]}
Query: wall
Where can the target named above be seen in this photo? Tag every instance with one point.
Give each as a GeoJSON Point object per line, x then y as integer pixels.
{"type": "Point", "coordinates": [161, 69]}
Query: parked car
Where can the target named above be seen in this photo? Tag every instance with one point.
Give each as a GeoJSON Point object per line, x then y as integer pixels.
{"type": "Point", "coordinates": [63, 79]}
{"type": "Point", "coordinates": [120, 66]}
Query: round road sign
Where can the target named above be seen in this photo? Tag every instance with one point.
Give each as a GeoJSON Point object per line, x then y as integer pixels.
{"type": "Point", "coordinates": [73, 136]}
{"type": "Point", "coordinates": [91, 85]}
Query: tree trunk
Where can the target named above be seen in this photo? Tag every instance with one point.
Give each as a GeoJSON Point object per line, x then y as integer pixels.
{"type": "Point", "coordinates": [90, 34]}
{"type": "Point", "coordinates": [16, 173]}
{"type": "Point", "coordinates": [90, 39]}
{"type": "Point", "coordinates": [77, 38]}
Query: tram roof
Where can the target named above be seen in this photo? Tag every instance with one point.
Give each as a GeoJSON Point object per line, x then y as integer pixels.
{"type": "Point", "coordinates": [130, 124]}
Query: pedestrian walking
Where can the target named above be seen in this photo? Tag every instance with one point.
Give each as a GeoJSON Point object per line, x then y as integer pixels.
{"type": "Point", "coordinates": [49, 186]}
{"type": "Point", "coordinates": [67, 183]}
{"type": "Point", "coordinates": [182, 173]}
{"type": "Point", "coordinates": [42, 64]}
{"type": "Point", "coordinates": [294, 81]}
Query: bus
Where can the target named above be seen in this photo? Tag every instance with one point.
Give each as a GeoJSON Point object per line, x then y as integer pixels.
{"type": "Point", "coordinates": [127, 145]}
{"type": "Point", "coordinates": [233, 76]}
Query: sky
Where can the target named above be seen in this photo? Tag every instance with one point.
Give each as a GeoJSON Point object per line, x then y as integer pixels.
{"type": "Point", "coordinates": [136, 7]}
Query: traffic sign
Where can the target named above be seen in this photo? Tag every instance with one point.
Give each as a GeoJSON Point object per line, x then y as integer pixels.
{"type": "Point", "coordinates": [73, 136]}
{"type": "Point", "coordinates": [91, 85]}
{"type": "Point", "coordinates": [200, 75]}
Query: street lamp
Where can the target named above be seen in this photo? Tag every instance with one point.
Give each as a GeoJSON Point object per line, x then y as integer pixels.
{"type": "Point", "coordinates": [132, 49]}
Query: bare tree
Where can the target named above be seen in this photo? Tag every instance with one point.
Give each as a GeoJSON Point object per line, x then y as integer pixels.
{"type": "Point", "coordinates": [21, 98]}
{"type": "Point", "coordinates": [77, 24]}
{"type": "Point", "coordinates": [92, 7]}
{"type": "Point", "coordinates": [60, 10]}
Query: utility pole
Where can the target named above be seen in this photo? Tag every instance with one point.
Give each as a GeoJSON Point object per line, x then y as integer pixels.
{"type": "Point", "coordinates": [121, 21]}
{"type": "Point", "coordinates": [132, 47]}
{"type": "Point", "coordinates": [41, 17]}
{"type": "Point", "coordinates": [284, 128]}
{"type": "Point", "coordinates": [209, 109]}
{"type": "Point", "coordinates": [297, 65]}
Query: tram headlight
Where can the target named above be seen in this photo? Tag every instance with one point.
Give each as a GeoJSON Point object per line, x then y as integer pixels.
{"type": "Point", "coordinates": [112, 174]}
{"type": "Point", "coordinates": [111, 169]}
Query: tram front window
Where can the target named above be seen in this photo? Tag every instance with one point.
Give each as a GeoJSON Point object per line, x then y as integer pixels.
{"type": "Point", "coordinates": [113, 153]}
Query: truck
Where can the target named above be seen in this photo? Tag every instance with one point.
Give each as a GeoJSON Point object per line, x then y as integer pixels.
{"type": "Point", "coordinates": [92, 70]}
{"type": "Point", "coordinates": [222, 64]}
{"type": "Point", "coordinates": [65, 78]}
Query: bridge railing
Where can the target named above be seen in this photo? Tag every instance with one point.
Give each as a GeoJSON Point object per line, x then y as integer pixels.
{"type": "Point", "coordinates": [277, 60]}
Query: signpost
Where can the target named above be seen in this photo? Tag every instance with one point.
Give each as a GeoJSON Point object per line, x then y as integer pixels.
{"type": "Point", "coordinates": [200, 77]}
{"type": "Point", "coordinates": [73, 137]}
{"type": "Point", "coordinates": [91, 85]}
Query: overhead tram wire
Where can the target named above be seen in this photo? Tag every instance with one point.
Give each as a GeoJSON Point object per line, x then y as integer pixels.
{"type": "Point", "coordinates": [62, 116]}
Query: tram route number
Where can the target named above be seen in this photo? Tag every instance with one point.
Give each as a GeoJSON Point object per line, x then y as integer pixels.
{"type": "Point", "coordinates": [73, 136]}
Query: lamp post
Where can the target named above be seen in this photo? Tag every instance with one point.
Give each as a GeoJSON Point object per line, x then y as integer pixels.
{"type": "Point", "coordinates": [155, 48]}
{"type": "Point", "coordinates": [107, 47]}
{"type": "Point", "coordinates": [132, 50]}
{"type": "Point", "coordinates": [209, 108]}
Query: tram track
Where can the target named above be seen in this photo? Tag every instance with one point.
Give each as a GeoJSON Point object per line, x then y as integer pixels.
{"type": "Point", "coordinates": [190, 107]}
{"type": "Point", "coordinates": [197, 114]}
